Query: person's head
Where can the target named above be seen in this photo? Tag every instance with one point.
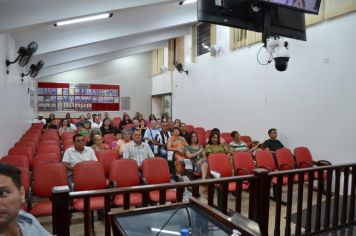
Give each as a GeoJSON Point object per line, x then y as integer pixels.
{"type": "Point", "coordinates": [137, 114]}
{"type": "Point", "coordinates": [86, 125]}
{"type": "Point", "coordinates": [235, 136]}
{"type": "Point", "coordinates": [106, 114]}
{"type": "Point", "coordinates": [136, 123]}
{"type": "Point", "coordinates": [192, 138]}
{"type": "Point", "coordinates": [215, 130]}
{"type": "Point", "coordinates": [67, 115]}
{"type": "Point", "coordinates": [93, 116]}
{"type": "Point", "coordinates": [118, 135]}
{"type": "Point", "coordinates": [177, 123]}
{"type": "Point", "coordinates": [214, 138]}
{"type": "Point", "coordinates": [153, 124]}
{"type": "Point", "coordinates": [107, 122]}
{"type": "Point", "coordinates": [159, 123]}
{"type": "Point", "coordinates": [140, 117]}
{"type": "Point", "coordinates": [65, 123]}
{"type": "Point", "coordinates": [126, 118]}
{"type": "Point", "coordinates": [176, 131]}
{"type": "Point", "coordinates": [165, 126]}
{"type": "Point", "coordinates": [98, 139]}
{"type": "Point", "coordinates": [12, 195]}
{"type": "Point", "coordinates": [94, 132]}
{"type": "Point", "coordinates": [97, 119]}
{"type": "Point", "coordinates": [40, 117]}
{"type": "Point", "coordinates": [78, 141]}
{"type": "Point", "coordinates": [99, 115]}
{"type": "Point", "coordinates": [182, 127]}
{"type": "Point", "coordinates": [272, 133]}
{"type": "Point", "coordinates": [142, 123]}
{"type": "Point", "coordinates": [81, 118]}
{"type": "Point", "coordinates": [52, 116]}
{"type": "Point", "coordinates": [137, 136]}
{"type": "Point", "coordinates": [89, 116]}
{"type": "Point", "coordinates": [126, 134]}
{"type": "Point", "coordinates": [171, 125]}
{"type": "Point", "coordinates": [255, 143]}
{"type": "Point", "coordinates": [152, 117]}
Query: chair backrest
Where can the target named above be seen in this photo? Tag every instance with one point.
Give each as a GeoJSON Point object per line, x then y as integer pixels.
{"type": "Point", "coordinates": [89, 175]}
{"type": "Point", "coordinates": [48, 143]}
{"type": "Point", "coordinates": [49, 149]}
{"type": "Point", "coordinates": [220, 162]}
{"type": "Point", "coordinates": [227, 137]}
{"type": "Point", "coordinates": [106, 157]}
{"type": "Point", "coordinates": [16, 160]}
{"type": "Point", "coordinates": [108, 138]}
{"type": "Point", "coordinates": [247, 139]}
{"type": "Point", "coordinates": [302, 154]}
{"type": "Point", "coordinates": [264, 159]}
{"type": "Point", "coordinates": [45, 177]}
{"type": "Point", "coordinates": [129, 126]}
{"type": "Point", "coordinates": [189, 128]}
{"type": "Point", "coordinates": [199, 130]}
{"type": "Point", "coordinates": [27, 151]}
{"type": "Point", "coordinates": [44, 159]}
{"type": "Point", "coordinates": [125, 173]}
{"type": "Point", "coordinates": [26, 144]}
{"type": "Point", "coordinates": [201, 139]}
{"type": "Point", "coordinates": [75, 120]}
{"type": "Point", "coordinates": [285, 159]}
{"type": "Point", "coordinates": [52, 155]}
{"type": "Point", "coordinates": [50, 136]}
{"type": "Point", "coordinates": [68, 135]}
{"type": "Point", "coordinates": [243, 161]}
{"type": "Point", "coordinates": [25, 178]}
{"type": "Point", "coordinates": [116, 122]}
{"type": "Point", "coordinates": [38, 126]}
{"type": "Point", "coordinates": [30, 139]}
{"type": "Point", "coordinates": [156, 170]}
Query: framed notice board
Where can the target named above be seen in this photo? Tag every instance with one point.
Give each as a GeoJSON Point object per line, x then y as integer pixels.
{"type": "Point", "coordinates": [78, 97]}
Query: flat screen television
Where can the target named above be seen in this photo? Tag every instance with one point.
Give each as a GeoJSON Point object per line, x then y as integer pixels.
{"type": "Point", "coordinates": [305, 6]}
{"type": "Point", "coordinates": [240, 14]}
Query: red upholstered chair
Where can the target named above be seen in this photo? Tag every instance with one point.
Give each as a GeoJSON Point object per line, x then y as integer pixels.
{"type": "Point", "coordinates": [227, 137]}
{"type": "Point", "coordinates": [124, 173]}
{"type": "Point", "coordinates": [52, 155]}
{"type": "Point", "coordinates": [244, 165]}
{"type": "Point", "coordinates": [75, 120]}
{"type": "Point", "coordinates": [35, 137]}
{"type": "Point", "coordinates": [49, 149]}
{"type": "Point", "coordinates": [17, 160]}
{"type": "Point", "coordinates": [68, 135]}
{"type": "Point", "coordinates": [50, 136]}
{"type": "Point", "coordinates": [45, 177]}
{"type": "Point", "coordinates": [199, 130]}
{"type": "Point", "coordinates": [30, 139]}
{"type": "Point", "coordinates": [106, 157]}
{"type": "Point", "coordinates": [201, 139]}
{"type": "Point", "coordinates": [285, 159]}
{"type": "Point", "coordinates": [45, 158]}
{"type": "Point", "coordinates": [38, 126]}
{"type": "Point", "coordinates": [48, 143]}
{"type": "Point", "coordinates": [156, 171]}
{"type": "Point", "coordinates": [89, 175]}
{"type": "Point", "coordinates": [129, 126]}
{"type": "Point", "coordinates": [247, 139]}
{"type": "Point", "coordinates": [189, 128]}
{"type": "Point", "coordinates": [108, 138]}
{"type": "Point", "coordinates": [26, 183]}
{"type": "Point", "coordinates": [265, 160]}
{"type": "Point", "coordinates": [304, 158]}
{"type": "Point", "coordinates": [116, 122]}
{"type": "Point", "coordinates": [220, 163]}
{"type": "Point", "coordinates": [27, 151]}
{"type": "Point", "coordinates": [26, 144]}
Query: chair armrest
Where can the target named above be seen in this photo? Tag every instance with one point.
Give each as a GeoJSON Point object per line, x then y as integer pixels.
{"type": "Point", "coordinates": [29, 198]}
{"type": "Point", "coordinates": [112, 184]}
{"type": "Point", "coordinates": [285, 164]}
{"type": "Point", "coordinates": [309, 164]}
{"type": "Point", "coordinates": [144, 181]}
{"type": "Point", "coordinates": [266, 168]}
{"type": "Point", "coordinates": [323, 163]}
{"type": "Point", "coordinates": [246, 172]}
{"type": "Point", "coordinates": [215, 174]}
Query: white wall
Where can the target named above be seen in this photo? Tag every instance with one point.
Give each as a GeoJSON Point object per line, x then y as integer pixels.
{"type": "Point", "coordinates": [14, 97]}
{"type": "Point", "coordinates": [311, 104]}
{"type": "Point", "coordinates": [131, 73]}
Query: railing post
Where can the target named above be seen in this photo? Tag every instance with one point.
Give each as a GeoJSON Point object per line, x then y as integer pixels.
{"type": "Point", "coordinates": [260, 199]}
{"type": "Point", "coordinates": [60, 210]}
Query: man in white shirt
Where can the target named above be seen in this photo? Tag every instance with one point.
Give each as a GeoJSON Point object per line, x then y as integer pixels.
{"type": "Point", "coordinates": [137, 150]}
{"type": "Point", "coordinates": [152, 136]}
{"type": "Point", "coordinates": [78, 153]}
{"type": "Point", "coordinates": [97, 123]}
{"type": "Point", "coordinates": [40, 119]}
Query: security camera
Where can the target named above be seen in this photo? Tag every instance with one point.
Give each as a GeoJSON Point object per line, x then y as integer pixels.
{"type": "Point", "coordinates": [278, 48]}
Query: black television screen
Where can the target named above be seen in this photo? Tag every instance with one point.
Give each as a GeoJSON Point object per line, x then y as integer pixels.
{"type": "Point", "coordinates": [239, 14]}
{"type": "Point", "coordinates": [306, 6]}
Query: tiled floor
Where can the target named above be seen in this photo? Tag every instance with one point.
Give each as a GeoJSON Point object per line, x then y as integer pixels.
{"type": "Point", "coordinates": [77, 226]}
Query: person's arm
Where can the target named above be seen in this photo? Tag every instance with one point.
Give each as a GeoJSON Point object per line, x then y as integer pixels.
{"type": "Point", "coordinates": [126, 153]}
{"type": "Point", "coordinates": [66, 160]}
{"type": "Point", "coordinates": [69, 167]}
{"type": "Point", "coordinates": [169, 145]}
{"type": "Point", "coordinates": [92, 155]}
{"type": "Point", "coordinates": [149, 151]}
{"type": "Point", "coordinates": [231, 150]}
{"type": "Point", "coordinates": [190, 155]}
{"type": "Point", "coordinates": [147, 135]}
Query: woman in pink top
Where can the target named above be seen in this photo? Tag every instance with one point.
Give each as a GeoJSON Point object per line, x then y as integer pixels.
{"type": "Point", "coordinates": [121, 144]}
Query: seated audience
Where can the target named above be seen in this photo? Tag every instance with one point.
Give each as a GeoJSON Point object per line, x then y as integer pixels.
{"type": "Point", "coordinates": [177, 123]}
{"type": "Point", "coordinates": [171, 126]}
{"type": "Point", "coordinates": [136, 126]}
{"type": "Point", "coordinates": [65, 127]}
{"type": "Point", "coordinates": [93, 118]}
{"type": "Point", "coordinates": [150, 119]}
{"type": "Point", "coordinates": [137, 150]}
{"type": "Point", "coordinates": [176, 144]}
{"type": "Point", "coordinates": [143, 127]}
{"type": "Point", "coordinates": [183, 132]}
{"type": "Point", "coordinates": [125, 121]}
{"type": "Point", "coordinates": [40, 119]}
{"type": "Point", "coordinates": [137, 116]}
{"type": "Point", "coordinates": [78, 153]}
{"type": "Point", "coordinates": [72, 125]}
{"type": "Point", "coordinates": [89, 117]}
{"type": "Point", "coordinates": [195, 152]}
{"type": "Point", "coordinates": [100, 116]}
{"type": "Point", "coordinates": [236, 145]}
{"type": "Point", "coordinates": [272, 144]}
{"type": "Point", "coordinates": [51, 117]}
{"type": "Point", "coordinates": [255, 147]}
{"type": "Point", "coordinates": [118, 136]}
{"type": "Point", "coordinates": [163, 140]}
{"type": "Point", "coordinates": [152, 136]}
{"type": "Point", "coordinates": [107, 127]}
{"type": "Point", "coordinates": [97, 122]}
{"type": "Point", "coordinates": [52, 124]}
{"type": "Point", "coordinates": [214, 145]}
{"type": "Point", "coordinates": [13, 220]}
{"type": "Point", "coordinates": [121, 144]}
{"type": "Point", "coordinates": [93, 132]}
{"type": "Point", "coordinates": [216, 130]}
{"type": "Point", "coordinates": [106, 115]}
{"type": "Point", "coordinates": [85, 130]}
{"type": "Point", "coordinates": [81, 121]}
{"type": "Point", "coordinates": [99, 144]}
{"type": "Point", "coordinates": [67, 116]}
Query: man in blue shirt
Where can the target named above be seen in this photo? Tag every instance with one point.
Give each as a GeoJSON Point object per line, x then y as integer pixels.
{"type": "Point", "coordinates": [13, 221]}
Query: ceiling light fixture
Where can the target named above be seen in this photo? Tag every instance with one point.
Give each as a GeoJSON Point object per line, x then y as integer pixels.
{"type": "Point", "coordinates": [187, 2]}
{"type": "Point", "coordinates": [84, 19]}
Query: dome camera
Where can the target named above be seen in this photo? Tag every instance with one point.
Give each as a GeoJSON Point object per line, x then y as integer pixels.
{"type": "Point", "coordinates": [280, 53]}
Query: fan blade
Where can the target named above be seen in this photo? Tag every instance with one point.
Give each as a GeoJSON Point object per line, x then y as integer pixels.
{"type": "Point", "coordinates": [26, 54]}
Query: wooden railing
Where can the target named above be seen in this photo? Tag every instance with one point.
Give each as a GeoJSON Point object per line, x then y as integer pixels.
{"type": "Point", "coordinates": [259, 203]}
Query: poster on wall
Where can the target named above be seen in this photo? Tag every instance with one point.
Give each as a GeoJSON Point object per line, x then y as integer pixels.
{"type": "Point", "coordinates": [78, 97]}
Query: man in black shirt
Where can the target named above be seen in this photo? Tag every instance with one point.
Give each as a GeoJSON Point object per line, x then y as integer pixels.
{"type": "Point", "coordinates": [272, 144]}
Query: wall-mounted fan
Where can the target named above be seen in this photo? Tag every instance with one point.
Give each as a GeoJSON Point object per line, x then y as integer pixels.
{"type": "Point", "coordinates": [24, 55]}
{"type": "Point", "coordinates": [180, 68]}
{"type": "Point", "coordinates": [34, 69]}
